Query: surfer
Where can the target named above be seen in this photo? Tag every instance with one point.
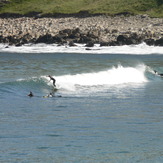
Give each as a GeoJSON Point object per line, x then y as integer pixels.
{"type": "Point", "coordinates": [158, 73]}
{"type": "Point", "coordinates": [49, 95]}
{"type": "Point", "coordinates": [30, 94]}
{"type": "Point", "coordinates": [51, 78]}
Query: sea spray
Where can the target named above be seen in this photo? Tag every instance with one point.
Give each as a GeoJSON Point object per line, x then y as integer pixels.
{"type": "Point", "coordinates": [114, 76]}
{"type": "Point", "coordinates": [141, 49]}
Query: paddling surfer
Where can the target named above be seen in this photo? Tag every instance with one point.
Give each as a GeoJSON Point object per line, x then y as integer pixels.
{"type": "Point", "coordinates": [30, 94]}
{"type": "Point", "coordinates": [51, 78]}
{"type": "Point", "coordinates": [49, 95]}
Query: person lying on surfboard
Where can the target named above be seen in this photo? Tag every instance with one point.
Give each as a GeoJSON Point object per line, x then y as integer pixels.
{"type": "Point", "coordinates": [51, 78]}
{"type": "Point", "coordinates": [49, 95]}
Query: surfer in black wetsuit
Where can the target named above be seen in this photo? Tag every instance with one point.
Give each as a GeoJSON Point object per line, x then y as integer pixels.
{"type": "Point", "coordinates": [158, 73]}
{"type": "Point", "coordinates": [49, 95]}
{"type": "Point", "coordinates": [30, 94]}
{"type": "Point", "coordinates": [51, 78]}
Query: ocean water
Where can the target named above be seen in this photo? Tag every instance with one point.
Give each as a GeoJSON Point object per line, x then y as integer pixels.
{"type": "Point", "coordinates": [108, 106]}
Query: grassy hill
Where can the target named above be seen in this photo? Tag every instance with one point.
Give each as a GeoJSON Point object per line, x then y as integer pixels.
{"type": "Point", "coordinates": [152, 7]}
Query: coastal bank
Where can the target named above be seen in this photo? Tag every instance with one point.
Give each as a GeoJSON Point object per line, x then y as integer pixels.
{"type": "Point", "coordinates": [102, 29]}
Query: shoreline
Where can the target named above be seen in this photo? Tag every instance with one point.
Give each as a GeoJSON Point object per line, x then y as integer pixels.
{"type": "Point", "coordinates": [102, 29]}
{"type": "Point", "coordinates": [141, 49]}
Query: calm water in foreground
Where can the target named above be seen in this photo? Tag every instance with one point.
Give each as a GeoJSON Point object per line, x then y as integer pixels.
{"type": "Point", "coordinates": [111, 108]}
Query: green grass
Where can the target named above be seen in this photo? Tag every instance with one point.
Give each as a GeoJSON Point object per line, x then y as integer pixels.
{"type": "Point", "coordinates": [154, 8]}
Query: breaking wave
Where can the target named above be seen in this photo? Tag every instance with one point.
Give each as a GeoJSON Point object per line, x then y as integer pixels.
{"type": "Point", "coordinates": [141, 49]}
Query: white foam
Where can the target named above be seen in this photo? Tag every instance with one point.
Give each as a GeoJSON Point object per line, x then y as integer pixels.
{"type": "Point", "coordinates": [141, 49]}
{"type": "Point", "coordinates": [114, 76]}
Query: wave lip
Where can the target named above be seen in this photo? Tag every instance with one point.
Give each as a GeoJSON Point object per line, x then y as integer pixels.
{"type": "Point", "coordinates": [113, 76]}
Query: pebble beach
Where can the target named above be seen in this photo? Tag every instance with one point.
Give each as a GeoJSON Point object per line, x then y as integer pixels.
{"type": "Point", "coordinates": [105, 28]}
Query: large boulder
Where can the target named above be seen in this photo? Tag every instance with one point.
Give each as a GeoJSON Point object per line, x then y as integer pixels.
{"type": "Point", "coordinates": [71, 43]}
{"type": "Point", "coordinates": [123, 40]}
{"type": "Point", "coordinates": [48, 39]}
{"type": "Point", "coordinates": [104, 44]}
{"type": "Point", "coordinates": [133, 38]}
{"type": "Point", "coordinates": [149, 42]}
{"type": "Point", "coordinates": [159, 42]}
{"type": "Point", "coordinates": [90, 44]}
{"type": "Point", "coordinates": [84, 39]}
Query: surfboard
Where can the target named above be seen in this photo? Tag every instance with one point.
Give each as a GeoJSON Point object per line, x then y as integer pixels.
{"type": "Point", "coordinates": [45, 96]}
{"type": "Point", "coordinates": [51, 96]}
{"type": "Point", "coordinates": [48, 96]}
{"type": "Point", "coordinates": [55, 88]}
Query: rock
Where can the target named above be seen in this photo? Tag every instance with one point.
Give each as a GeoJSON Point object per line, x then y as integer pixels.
{"type": "Point", "coordinates": [18, 44]}
{"type": "Point", "coordinates": [48, 39]}
{"type": "Point", "coordinates": [105, 30]}
{"type": "Point", "coordinates": [58, 39]}
{"type": "Point", "coordinates": [114, 31]}
{"type": "Point", "coordinates": [65, 31]}
{"type": "Point", "coordinates": [149, 42]}
{"type": "Point", "coordinates": [113, 43]}
{"type": "Point", "coordinates": [75, 33]}
{"type": "Point", "coordinates": [90, 44]}
{"type": "Point", "coordinates": [104, 44]}
{"type": "Point", "coordinates": [1, 39]}
{"type": "Point", "coordinates": [123, 40]}
{"type": "Point", "coordinates": [84, 39]}
{"type": "Point", "coordinates": [135, 38]}
{"type": "Point", "coordinates": [77, 30]}
{"type": "Point", "coordinates": [159, 42]}
{"type": "Point", "coordinates": [71, 43]}
{"type": "Point", "coordinates": [129, 40]}
{"type": "Point", "coordinates": [88, 49]}
{"type": "Point", "coordinates": [10, 39]}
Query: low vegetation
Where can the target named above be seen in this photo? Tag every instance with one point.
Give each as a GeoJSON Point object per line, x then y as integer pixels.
{"type": "Point", "coordinates": [154, 8]}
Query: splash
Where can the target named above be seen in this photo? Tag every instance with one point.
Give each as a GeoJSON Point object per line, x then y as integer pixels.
{"type": "Point", "coordinates": [141, 49]}
{"type": "Point", "coordinates": [114, 76]}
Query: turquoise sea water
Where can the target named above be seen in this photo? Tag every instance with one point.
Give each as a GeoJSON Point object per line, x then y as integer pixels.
{"type": "Point", "coordinates": [111, 107]}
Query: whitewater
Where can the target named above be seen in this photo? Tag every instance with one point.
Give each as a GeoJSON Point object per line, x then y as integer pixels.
{"type": "Point", "coordinates": [141, 49]}
{"type": "Point", "coordinates": [107, 106]}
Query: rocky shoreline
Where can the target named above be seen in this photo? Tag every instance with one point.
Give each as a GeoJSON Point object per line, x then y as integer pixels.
{"type": "Point", "coordinates": [102, 29]}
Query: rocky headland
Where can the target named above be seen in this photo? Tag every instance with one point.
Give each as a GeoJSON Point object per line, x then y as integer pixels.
{"type": "Point", "coordinates": [102, 29]}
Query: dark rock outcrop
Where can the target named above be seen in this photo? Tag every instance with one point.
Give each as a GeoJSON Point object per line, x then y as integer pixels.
{"type": "Point", "coordinates": [159, 42]}
{"type": "Point", "coordinates": [48, 39]}
{"type": "Point", "coordinates": [149, 42]}
{"type": "Point", "coordinates": [129, 40]}
{"type": "Point", "coordinates": [90, 44]}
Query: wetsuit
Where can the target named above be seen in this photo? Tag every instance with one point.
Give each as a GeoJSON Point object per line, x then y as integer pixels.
{"type": "Point", "coordinates": [51, 78]}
